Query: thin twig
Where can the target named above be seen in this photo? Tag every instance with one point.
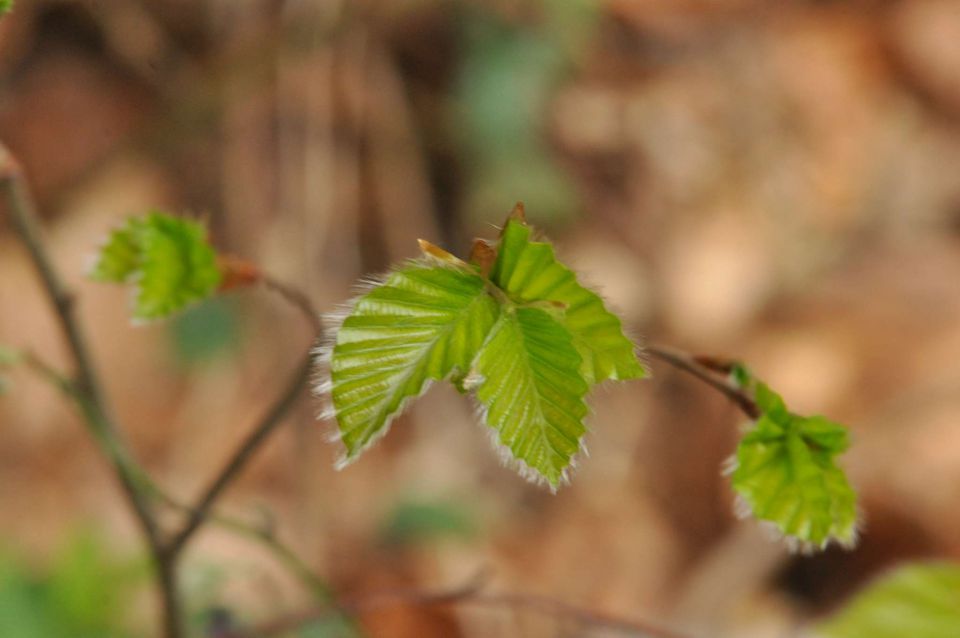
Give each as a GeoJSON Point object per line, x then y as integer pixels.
{"type": "Point", "coordinates": [468, 594]}
{"type": "Point", "coordinates": [266, 425]}
{"type": "Point", "coordinates": [265, 537]}
{"type": "Point", "coordinates": [244, 452]}
{"type": "Point", "coordinates": [260, 534]}
{"type": "Point", "coordinates": [696, 367]}
{"type": "Point", "coordinates": [88, 391]}
{"type": "Point", "coordinates": [49, 373]}
{"type": "Point", "coordinates": [298, 299]}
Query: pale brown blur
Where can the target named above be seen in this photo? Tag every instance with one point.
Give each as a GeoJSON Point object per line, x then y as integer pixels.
{"type": "Point", "coordinates": [773, 181]}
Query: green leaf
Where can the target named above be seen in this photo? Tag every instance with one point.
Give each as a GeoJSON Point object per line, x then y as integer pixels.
{"type": "Point", "coordinates": [178, 266]}
{"type": "Point", "coordinates": [425, 322]}
{"type": "Point", "coordinates": [785, 473]}
{"type": "Point", "coordinates": [206, 331]}
{"type": "Point", "coordinates": [168, 259]}
{"type": "Point", "coordinates": [741, 376]}
{"type": "Point", "coordinates": [9, 356]}
{"type": "Point", "coordinates": [532, 391]}
{"type": "Point", "coordinates": [412, 522]}
{"type": "Point", "coordinates": [5, 6]}
{"type": "Point", "coordinates": [915, 601]}
{"type": "Point", "coordinates": [528, 271]}
{"type": "Point", "coordinates": [119, 258]}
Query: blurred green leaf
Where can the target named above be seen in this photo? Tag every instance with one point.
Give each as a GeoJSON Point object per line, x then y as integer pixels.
{"type": "Point", "coordinates": [914, 601]}
{"type": "Point", "coordinates": [510, 72]}
{"type": "Point", "coordinates": [89, 587]}
{"type": "Point", "coordinates": [84, 593]}
{"type": "Point", "coordinates": [167, 259]}
{"type": "Point", "coordinates": [9, 356]}
{"type": "Point", "coordinates": [205, 330]}
{"type": "Point", "coordinates": [741, 376]}
{"type": "Point", "coordinates": [785, 473]}
{"type": "Point", "coordinates": [333, 627]}
{"type": "Point", "coordinates": [5, 6]}
{"type": "Point", "coordinates": [178, 266]}
{"type": "Point", "coordinates": [415, 521]}
{"type": "Point", "coordinates": [120, 257]}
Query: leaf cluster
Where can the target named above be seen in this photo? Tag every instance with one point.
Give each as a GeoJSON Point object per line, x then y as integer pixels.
{"type": "Point", "coordinates": [166, 259]}
{"type": "Point", "coordinates": [785, 472]}
{"type": "Point", "coordinates": [512, 325]}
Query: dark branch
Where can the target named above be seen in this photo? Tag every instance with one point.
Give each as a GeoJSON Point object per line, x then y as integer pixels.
{"type": "Point", "coordinates": [85, 383]}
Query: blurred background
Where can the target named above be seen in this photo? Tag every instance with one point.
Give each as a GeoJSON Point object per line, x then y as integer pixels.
{"type": "Point", "coordinates": [779, 182]}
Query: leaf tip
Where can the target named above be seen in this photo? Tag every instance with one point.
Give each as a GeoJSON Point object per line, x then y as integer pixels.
{"type": "Point", "coordinates": [518, 213]}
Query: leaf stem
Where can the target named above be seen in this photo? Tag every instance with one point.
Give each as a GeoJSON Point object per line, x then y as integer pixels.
{"type": "Point", "coordinates": [705, 369]}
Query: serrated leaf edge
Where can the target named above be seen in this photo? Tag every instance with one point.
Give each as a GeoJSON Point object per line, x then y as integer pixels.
{"type": "Point", "coordinates": [743, 510]}
{"type": "Point", "coordinates": [323, 354]}
{"type": "Point", "coordinates": [536, 236]}
{"type": "Point", "coordinates": [521, 467]}
{"type": "Point", "coordinates": [505, 454]}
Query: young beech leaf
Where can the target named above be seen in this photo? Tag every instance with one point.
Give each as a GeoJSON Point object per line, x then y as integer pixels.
{"type": "Point", "coordinates": [178, 266]}
{"type": "Point", "coordinates": [512, 325]}
{"type": "Point", "coordinates": [528, 271]}
{"type": "Point", "coordinates": [119, 258]}
{"type": "Point", "coordinates": [168, 259]}
{"type": "Point", "coordinates": [785, 473]}
{"type": "Point", "coordinates": [915, 601]}
{"type": "Point", "coordinates": [425, 322]}
{"type": "Point", "coordinates": [532, 391]}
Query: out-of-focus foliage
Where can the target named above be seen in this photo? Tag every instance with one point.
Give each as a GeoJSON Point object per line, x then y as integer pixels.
{"type": "Point", "coordinates": [417, 521]}
{"type": "Point", "coordinates": [786, 474]}
{"type": "Point", "coordinates": [8, 357]}
{"type": "Point", "coordinates": [522, 334]}
{"type": "Point", "coordinates": [5, 6]}
{"type": "Point", "coordinates": [86, 592]}
{"type": "Point", "coordinates": [167, 259]}
{"type": "Point", "coordinates": [919, 601]}
{"type": "Point", "coordinates": [120, 256]}
{"type": "Point", "coordinates": [206, 330]}
{"type": "Point", "coordinates": [510, 72]}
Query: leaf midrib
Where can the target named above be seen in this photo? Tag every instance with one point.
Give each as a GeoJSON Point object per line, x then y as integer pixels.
{"type": "Point", "coordinates": [543, 420]}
